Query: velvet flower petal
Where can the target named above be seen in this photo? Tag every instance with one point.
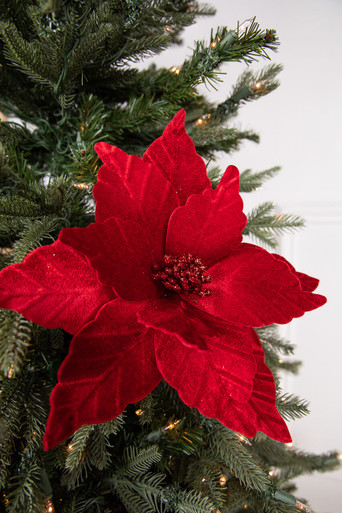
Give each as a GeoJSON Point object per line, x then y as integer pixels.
{"type": "Point", "coordinates": [210, 382]}
{"type": "Point", "coordinates": [308, 283]}
{"type": "Point", "coordinates": [129, 188]}
{"type": "Point", "coordinates": [174, 154]}
{"type": "Point", "coordinates": [110, 364]}
{"type": "Point", "coordinates": [210, 225]}
{"type": "Point", "coordinates": [200, 331]}
{"type": "Point", "coordinates": [253, 288]}
{"type": "Point", "coordinates": [54, 287]}
{"type": "Point", "coordinates": [226, 359]}
{"type": "Point", "coordinates": [121, 254]}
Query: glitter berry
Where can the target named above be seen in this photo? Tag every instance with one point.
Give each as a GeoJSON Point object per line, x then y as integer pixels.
{"type": "Point", "coordinates": [183, 274]}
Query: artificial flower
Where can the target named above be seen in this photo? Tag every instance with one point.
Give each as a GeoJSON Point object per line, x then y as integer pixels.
{"type": "Point", "coordinates": [161, 286]}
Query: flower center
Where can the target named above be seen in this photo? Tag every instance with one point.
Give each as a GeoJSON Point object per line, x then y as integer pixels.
{"type": "Point", "coordinates": [183, 274]}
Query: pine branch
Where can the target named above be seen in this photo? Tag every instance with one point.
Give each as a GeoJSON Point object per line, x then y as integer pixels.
{"type": "Point", "coordinates": [139, 461]}
{"type": "Point", "coordinates": [269, 337]}
{"type": "Point", "coordinates": [99, 450]}
{"type": "Point", "coordinates": [32, 236]}
{"type": "Point", "coordinates": [227, 448]}
{"type": "Point", "coordinates": [204, 476]}
{"type": "Point", "coordinates": [112, 427]}
{"type": "Point", "coordinates": [146, 46]}
{"type": "Point", "coordinates": [27, 56]}
{"type": "Point", "coordinates": [226, 46]}
{"type": "Point", "coordinates": [292, 407]}
{"type": "Point", "coordinates": [292, 462]}
{"type": "Point", "coordinates": [265, 226]}
{"type": "Point", "coordinates": [36, 411]}
{"type": "Point", "coordinates": [252, 181]}
{"type": "Point", "coordinates": [89, 447]}
{"type": "Point", "coordinates": [250, 86]}
{"type": "Point", "coordinates": [15, 336]}
{"type": "Point", "coordinates": [194, 502]}
{"type": "Point", "coordinates": [11, 408]}
{"type": "Point", "coordinates": [211, 139]}
{"type": "Point", "coordinates": [275, 363]}
{"type": "Point", "coordinates": [25, 492]}
{"type": "Point", "coordinates": [143, 494]}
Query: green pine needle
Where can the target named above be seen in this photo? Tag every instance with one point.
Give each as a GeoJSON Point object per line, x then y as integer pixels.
{"type": "Point", "coordinates": [292, 407]}
{"type": "Point", "coordinates": [250, 181]}
{"type": "Point", "coordinates": [264, 225]}
{"type": "Point", "coordinates": [15, 336]}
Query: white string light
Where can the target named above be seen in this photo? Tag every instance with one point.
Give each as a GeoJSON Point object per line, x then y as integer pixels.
{"type": "Point", "coordinates": [172, 425]}
{"type": "Point", "coordinates": [175, 69]}
{"type": "Point", "coordinates": [10, 371]}
{"type": "Point", "coordinates": [303, 507]}
{"type": "Point", "coordinates": [81, 185]}
{"type": "Point", "coordinates": [49, 507]}
{"type": "Point", "coordinates": [203, 120]}
{"type": "Point", "coordinates": [243, 439]}
{"type": "Point", "coordinates": [244, 27]}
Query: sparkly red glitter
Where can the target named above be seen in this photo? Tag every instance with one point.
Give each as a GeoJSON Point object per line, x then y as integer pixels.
{"type": "Point", "coordinates": [183, 274]}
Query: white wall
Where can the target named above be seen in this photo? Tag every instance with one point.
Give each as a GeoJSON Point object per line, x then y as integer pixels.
{"type": "Point", "coordinates": [300, 128]}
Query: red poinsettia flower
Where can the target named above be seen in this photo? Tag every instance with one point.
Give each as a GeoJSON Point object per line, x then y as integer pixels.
{"type": "Point", "coordinates": [160, 286]}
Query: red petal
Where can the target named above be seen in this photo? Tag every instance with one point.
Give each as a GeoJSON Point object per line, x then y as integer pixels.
{"type": "Point", "coordinates": [174, 317]}
{"type": "Point", "coordinates": [120, 252]}
{"type": "Point", "coordinates": [308, 283]}
{"type": "Point", "coordinates": [174, 154]}
{"type": "Point", "coordinates": [262, 403]}
{"type": "Point", "coordinates": [54, 287]}
{"type": "Point", "coordinates": [210, 225]}
{"type": "Point", "coordinates": [252, 288]}
{"type": "Point", "coordinates": [225, 368]}
{"type": "Point", "coordinates": [129, 188]}
{"type": "Point", "coordinates": [110, 364]}
{"type": "Point", "coordinates": [201, 384]}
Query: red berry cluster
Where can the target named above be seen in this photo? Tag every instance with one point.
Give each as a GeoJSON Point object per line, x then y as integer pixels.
{"type": "Point", "coordinates": [183, 274]}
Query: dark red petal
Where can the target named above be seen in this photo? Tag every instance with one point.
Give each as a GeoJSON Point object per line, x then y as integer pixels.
{"type": "Point", "coordinates": [54, 287]}
{"type": "Point", "coordinates": [224, 367]}
{"type": "Point", "coordinates": [200, 382]}
{"type": "Point", "coordinates": [129, 188]}
{"type": "Point", "coordinates": [262, 403]}
{"type": "Point", "coordinates": [120, 253]}
{"type": "Point", "coordinates": [308, 283]}
{"type": "Point", "coordinates": [174, 317]}
{"type": "Point", "coordinates": [210, 225]}
{"type": "Point", "coordinates": [174, 154]}
{"type": "Point", "coordinates": [252, 288]}
{"type": "Point", "coordinates": [110, 364]}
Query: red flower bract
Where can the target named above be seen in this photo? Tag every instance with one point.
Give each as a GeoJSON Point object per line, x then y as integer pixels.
{"type": "Point", "coordinates": [160, 286]}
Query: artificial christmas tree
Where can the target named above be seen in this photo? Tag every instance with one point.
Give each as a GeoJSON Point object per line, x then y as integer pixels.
{"type": "Point", "coordinates": [154, 282]}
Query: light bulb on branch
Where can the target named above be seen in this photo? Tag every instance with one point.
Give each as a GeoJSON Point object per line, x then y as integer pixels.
{"type": "Point", "coordinates": [81, 185]}
{"type": "Point", "coordinates": [175, 69]}
{"type": "Point", "coordinates": [203, 120]}
{"type": "Point", "coordinates": [243, 439]}
{"type": "Point", "coordinates": [259, 87]}
{"type": "Point", "coordinates": [223, 480]}
{"type": "Point", "coordinates": [244, 27]}
{"type": "Point", "coordinates": [69, 448]}
{"type": "Point", "coordinates": [172, 425]}
{"type": "Point", "coordinates": [303, 507]}
{"type": "Point", "coordinates": [10, 371]}
{"type": "Point", "coordinates": [49, 507]}
{"type": "Point", "coordinates": [233, 35]}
